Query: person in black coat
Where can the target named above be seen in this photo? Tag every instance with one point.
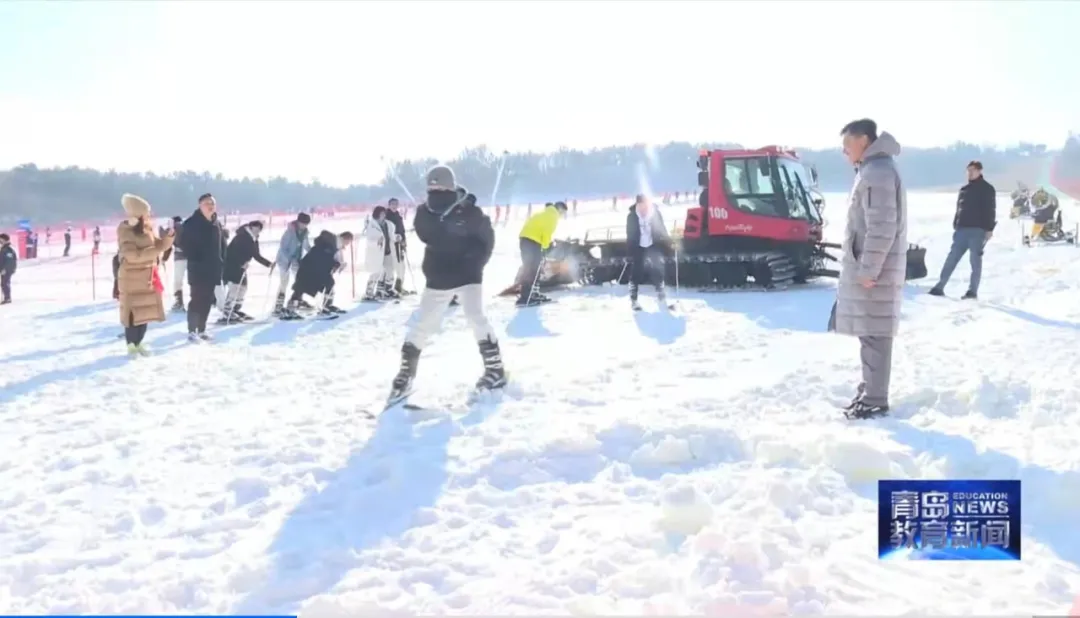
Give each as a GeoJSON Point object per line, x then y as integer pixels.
{"type": "Point", "coordinates": [458, 242]}
{"type": "Point", "coordinates": [243, 248]}
{"type": "Point", "coordinates": [316, 274]}
{"type": "Point", "coordinates": [203, 243]}
{"type": "Point", "coordinates": [179, 267]}
{"type": "Point", "coordinates": [648, 244]}
{"type": "Point", "coordinates": [973, 225]}
{"type": "Point", "coordinates": [393, 215]}
{"type": "Point", "coordinates": [9, 262]}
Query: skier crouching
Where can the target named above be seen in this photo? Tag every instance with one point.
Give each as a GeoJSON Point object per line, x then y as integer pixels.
{"type": "Point", "coordinates": [316, 275]}
{"type": "Point", "coordinates": [458, 241]}
{"type": "Point", "coordinates": [243, 248]}
{"type": "Point", "coordinates": [648, 244]}
{"type": "Point", "coordinates": [535, 239]}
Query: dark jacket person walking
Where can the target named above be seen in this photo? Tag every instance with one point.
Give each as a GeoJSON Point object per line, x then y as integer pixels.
{"type": "Point", "coordinates": [203, 242]}
{"type": "Point", "coordinates": [874, 262]}
{"type": "Point", "coordinates": [973, 225]}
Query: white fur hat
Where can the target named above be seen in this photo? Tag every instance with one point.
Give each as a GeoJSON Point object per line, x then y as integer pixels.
{"type": "Point", "coordinates": [135, 206]}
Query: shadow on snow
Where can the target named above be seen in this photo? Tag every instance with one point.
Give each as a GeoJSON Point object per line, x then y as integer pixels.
{"type": "Point", "coordinates": [377, 496]}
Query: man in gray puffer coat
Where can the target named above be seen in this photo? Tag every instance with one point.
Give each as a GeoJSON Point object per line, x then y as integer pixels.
{"type": "Point", "coordinates": [874, 262]}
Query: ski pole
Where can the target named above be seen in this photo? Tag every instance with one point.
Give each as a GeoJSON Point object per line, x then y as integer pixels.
{"type": "Point", "coordinates": [412, 278]}
{"type": "Point", "coordinates": [269, 284]}
{"type": "Point", "coordinates": [676, 273]}
{"type": "Point", "coordinates": [536, 279]}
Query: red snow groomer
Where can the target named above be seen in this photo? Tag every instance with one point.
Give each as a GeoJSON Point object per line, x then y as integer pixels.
{"type": "Point", "coordinates": [758, 225]}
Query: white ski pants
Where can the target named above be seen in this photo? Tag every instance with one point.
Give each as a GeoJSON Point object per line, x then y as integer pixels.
{"type": "Point", "coordinates": [179, 274]}
{"type": "Point", "coordinates": [399, 261]}
{"type": "Point", "coordinates": [284, 274]}
{"type": "Point", "coordinates": [433, 304]}
{"type": "Point", "coordinates": [391, 265]}
{"type": "Point", "coordinates": [234, 296]}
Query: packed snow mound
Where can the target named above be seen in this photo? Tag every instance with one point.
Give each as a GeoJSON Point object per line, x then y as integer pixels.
{"type": "Point", "coordinates": [642, 463]}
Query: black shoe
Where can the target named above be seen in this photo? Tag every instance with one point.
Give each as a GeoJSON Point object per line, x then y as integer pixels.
{"type": "Point", "coordinates": [454, 302]}
{"type": "Point", "coordinates": [859, 392]}
{"type": "Point", "coordinates": [969, 295]}
{"type": "Point", "coordinates": [410, 360]}
{"type": "Point", "coordinates": [862, 411]}
{"type": "Point", "coordinates": [6, 301]}
{"type": "Point", "coordinates": [936, 291]}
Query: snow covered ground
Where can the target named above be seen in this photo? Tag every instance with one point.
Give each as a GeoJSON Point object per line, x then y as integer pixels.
{"type": "Point", "coordinates": [640, 463]}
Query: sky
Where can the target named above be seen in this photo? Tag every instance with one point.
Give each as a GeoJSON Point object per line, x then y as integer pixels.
{"type": "Point", "coordinates": [334, 90]}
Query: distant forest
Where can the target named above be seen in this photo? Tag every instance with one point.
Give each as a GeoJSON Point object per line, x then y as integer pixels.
{"type": "Point", "coordinates": [78, 194]}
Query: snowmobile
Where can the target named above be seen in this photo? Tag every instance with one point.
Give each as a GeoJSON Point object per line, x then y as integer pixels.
{"type": "Point", "coordinates": [1021, 203]}
{"type": "Point", "coordinates": [1047, 228]}
{"type": "Point", "coordinates": [758, 225]}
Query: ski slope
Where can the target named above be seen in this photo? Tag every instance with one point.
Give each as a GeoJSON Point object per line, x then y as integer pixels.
{"type": "Point", "coordinates": [639, 464]}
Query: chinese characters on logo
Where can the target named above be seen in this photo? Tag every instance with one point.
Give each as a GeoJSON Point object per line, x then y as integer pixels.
{"type": "Point", "coordinates": [938, 520]}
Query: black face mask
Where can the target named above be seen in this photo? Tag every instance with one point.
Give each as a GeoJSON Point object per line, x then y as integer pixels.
{"type": "Point", "coordinates": [439, 202]}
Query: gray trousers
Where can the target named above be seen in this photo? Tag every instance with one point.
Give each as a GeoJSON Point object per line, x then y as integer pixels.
{"type": "Point", "coordinates": [876, 356]}
{"type": "Point", "coordinates": [970, 240]}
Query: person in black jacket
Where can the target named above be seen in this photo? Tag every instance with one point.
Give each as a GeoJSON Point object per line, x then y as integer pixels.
{"type": "Point", "coordinates": [393, 215]}
{"type": "Point", "coordinates": [9, 261]}
{"type": "Point", "coordinates": [203, 243]}
{"type": "Point", "coordinates": [315, 275]}
{"type": "Point", "coordinates": [243, 248]}
{"type": "Point", "coordinates": [458, 242]}
{"type": "Point", "coordinates": [648, 243]}
{"type": "Point", "coordinates": [67, 241]}
{"type": "Point", "coordinates": [179, 269]}
{"type": "Point", "coordinates": [973, 225]}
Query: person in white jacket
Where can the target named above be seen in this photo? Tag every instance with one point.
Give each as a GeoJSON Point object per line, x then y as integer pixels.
{"type": "Point", "coordinates": [375, 255]}
{"type": "Point", "coordinates": [295, 243]}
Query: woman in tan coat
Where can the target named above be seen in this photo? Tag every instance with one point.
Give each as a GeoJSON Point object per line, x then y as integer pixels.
{"type": "Point", "coordinates": [137, 279]}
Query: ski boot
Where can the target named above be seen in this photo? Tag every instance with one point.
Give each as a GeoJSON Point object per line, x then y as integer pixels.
{"type": "Point", "coordinates": [240, 315]}
{"type": "Point", "coordinates": [229, 316]}
{"type": "Point", "coordinates": [494, 374]}
{"type": "Point", "coordinates": [403, 381]}
{"type": "Point", "coordinates": [290, 312]}
{"type": "Point", "coordinates": [634, 304]}
{"type": "Point", "coordinates": [279, 306]}
{"type": "Point", "coordinates": [305, 305]}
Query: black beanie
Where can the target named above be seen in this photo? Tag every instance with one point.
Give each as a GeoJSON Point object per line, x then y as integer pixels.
{"type": "Point", "coordinates": [303, 218]}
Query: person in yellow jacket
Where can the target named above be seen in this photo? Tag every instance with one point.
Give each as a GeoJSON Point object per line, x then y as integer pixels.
{"type": "Point", "coordinates": [534, 239]}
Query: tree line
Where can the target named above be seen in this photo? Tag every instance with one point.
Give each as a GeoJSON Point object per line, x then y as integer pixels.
{"type": "Point", "coordinates": [79, 194]}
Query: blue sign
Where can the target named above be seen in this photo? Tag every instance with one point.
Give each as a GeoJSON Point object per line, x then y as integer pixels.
{"type": "Point", "coordinates": [949, 520]}
{"type": "Point", "coordinates": [23, 224]}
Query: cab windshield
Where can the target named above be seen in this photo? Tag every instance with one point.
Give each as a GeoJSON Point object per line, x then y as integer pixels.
{"type": "Point", "coordinates": [750, 186]}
